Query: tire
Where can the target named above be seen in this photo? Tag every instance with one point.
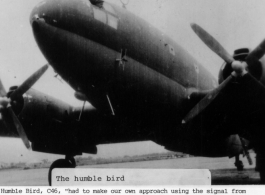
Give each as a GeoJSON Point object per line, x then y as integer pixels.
{"type": "Point", "coordinates": [240, 168]}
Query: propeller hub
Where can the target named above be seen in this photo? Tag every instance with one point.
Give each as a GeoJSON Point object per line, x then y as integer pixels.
{"type": "Point", "coordinates": [239, 68]}
{"type": "Point", "coordinates": [4, 102]}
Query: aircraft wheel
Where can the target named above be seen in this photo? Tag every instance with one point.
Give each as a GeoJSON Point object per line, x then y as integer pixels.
{"type": "Point", "coordinates": [60, 163]}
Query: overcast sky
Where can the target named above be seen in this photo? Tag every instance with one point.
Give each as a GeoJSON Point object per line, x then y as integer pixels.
{"type": "Point", "coordinates": [236, 24]}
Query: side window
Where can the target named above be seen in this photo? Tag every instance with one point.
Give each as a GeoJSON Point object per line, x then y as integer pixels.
{"type": "Point", "coordinates": [100, 15]}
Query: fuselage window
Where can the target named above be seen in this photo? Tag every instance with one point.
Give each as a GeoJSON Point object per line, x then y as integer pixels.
{"type": "Point", "coordinates": [100, 15]}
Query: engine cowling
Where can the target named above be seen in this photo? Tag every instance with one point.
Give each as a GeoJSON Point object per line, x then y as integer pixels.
{"type": "Point", "coordinates": [258, 71]}
{"type": "Point", "coordinates": [52, 125]}
{"type": "Point", "coordinates": [226, 69]}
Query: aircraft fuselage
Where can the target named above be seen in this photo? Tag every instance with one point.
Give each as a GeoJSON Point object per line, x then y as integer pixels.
{"type": "Point", "coordinates": [85, 43]}
{"type": "Point", "coordinates": [122, 64]}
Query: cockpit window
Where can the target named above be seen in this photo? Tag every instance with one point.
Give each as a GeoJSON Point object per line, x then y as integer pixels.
{"type": "Point", "coordinates": [112, 21]}
{"type": "Point", "coordinates": [100, 15]}
{"type": "Point", "coordinates": [107, 15]}
{"type": "Point", "coordinates": [109, 8]}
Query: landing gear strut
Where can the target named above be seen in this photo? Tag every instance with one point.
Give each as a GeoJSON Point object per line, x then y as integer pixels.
{"type": "Point", "coordinates": [68, 162]}
{"type": "Point", "coordinates": [260, 160]}
{"type": "Point", "coordinates": [239, 164]}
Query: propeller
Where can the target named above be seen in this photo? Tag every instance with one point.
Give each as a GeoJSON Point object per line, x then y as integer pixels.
{"type": "Point", "coordinates": [212, 43]}
{"type": "Point", "coordinates": [27, 84]}
{"type": "Point", "coordinates": [5, 103]}
{"type": "Point", "coordinates": [240, 68]}
{"type": "Point", "coordinates": [2, 90]}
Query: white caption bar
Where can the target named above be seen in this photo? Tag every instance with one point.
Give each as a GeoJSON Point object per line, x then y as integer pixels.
{"type": "Point", "coordinates": [121, 177]}
{"type": "Point", "coordinates": [138, 190]}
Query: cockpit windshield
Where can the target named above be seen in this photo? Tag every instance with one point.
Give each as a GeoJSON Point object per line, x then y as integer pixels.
{"type": "Point", "coordinates": [109, 8]}
{"type": "Point", "coordinates": [106, 14]}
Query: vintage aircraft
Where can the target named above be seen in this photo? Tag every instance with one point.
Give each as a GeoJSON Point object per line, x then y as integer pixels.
{"type": "Point", "coordinates": [142, 85]}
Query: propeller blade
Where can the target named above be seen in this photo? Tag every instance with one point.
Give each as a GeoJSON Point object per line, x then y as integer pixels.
{"type": "Point", "coordinates": [26, 85]}
{"type": "Point", "coordinates": [19, 128]}
{"type": "Point", "coordinates": [2, 90]}
{"type": "Point", "coordinates": [196, 110]}
{"type": "Point", "coordinates": [258, 52]}
{"type": "Point", "coordinates": [254, 66]}
{"type": "Point", "coordinates": [212, 43]}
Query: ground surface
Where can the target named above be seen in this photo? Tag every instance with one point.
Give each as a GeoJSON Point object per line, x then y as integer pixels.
{"type": "Point", "coordinates": [222, 169]}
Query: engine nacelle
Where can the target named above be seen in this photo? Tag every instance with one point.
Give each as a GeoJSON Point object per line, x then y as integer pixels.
{"type": "Point", "coordinates": [41, 106]}
{"type": "Point", "coordinates": [47, 122]}
{"type": "Point", "coordinates": [226, 69]}
{"type": "Point", "coordinates": [257, 70]}
{"type": "Point", "coordinates": [53, 126]}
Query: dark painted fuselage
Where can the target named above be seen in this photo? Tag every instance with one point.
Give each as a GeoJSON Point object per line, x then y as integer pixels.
{"type": "Point", "coordinates": [122, 64]}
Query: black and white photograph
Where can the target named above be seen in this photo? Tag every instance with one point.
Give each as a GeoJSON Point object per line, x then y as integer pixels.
{"type": "Point", "coordinates": [132, 84]}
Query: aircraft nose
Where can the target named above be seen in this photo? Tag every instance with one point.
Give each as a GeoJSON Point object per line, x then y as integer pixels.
{"type": "Point", "coordinates": [47, 11]}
